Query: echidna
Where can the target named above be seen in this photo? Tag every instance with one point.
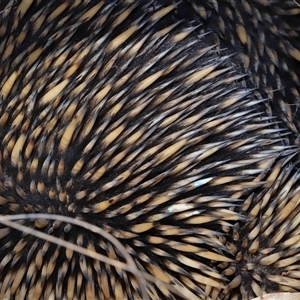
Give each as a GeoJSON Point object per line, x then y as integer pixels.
{"type": "Point", "coordinates": [126, 115]}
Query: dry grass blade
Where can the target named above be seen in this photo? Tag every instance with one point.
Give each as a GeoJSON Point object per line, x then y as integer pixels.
{"type": "Point", "coordinates": [130, 266]}
{"type": "Point", "coordinates": [279, 296]}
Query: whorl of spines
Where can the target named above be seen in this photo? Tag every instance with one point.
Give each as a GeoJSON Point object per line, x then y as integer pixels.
{"type": "Point", "coordinates": [266, 248]}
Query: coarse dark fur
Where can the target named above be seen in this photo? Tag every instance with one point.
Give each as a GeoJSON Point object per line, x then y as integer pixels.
{"type": "Point", "coordinates": [265, 36]}
{"type": "Point", "coordinates": [132, 116]}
